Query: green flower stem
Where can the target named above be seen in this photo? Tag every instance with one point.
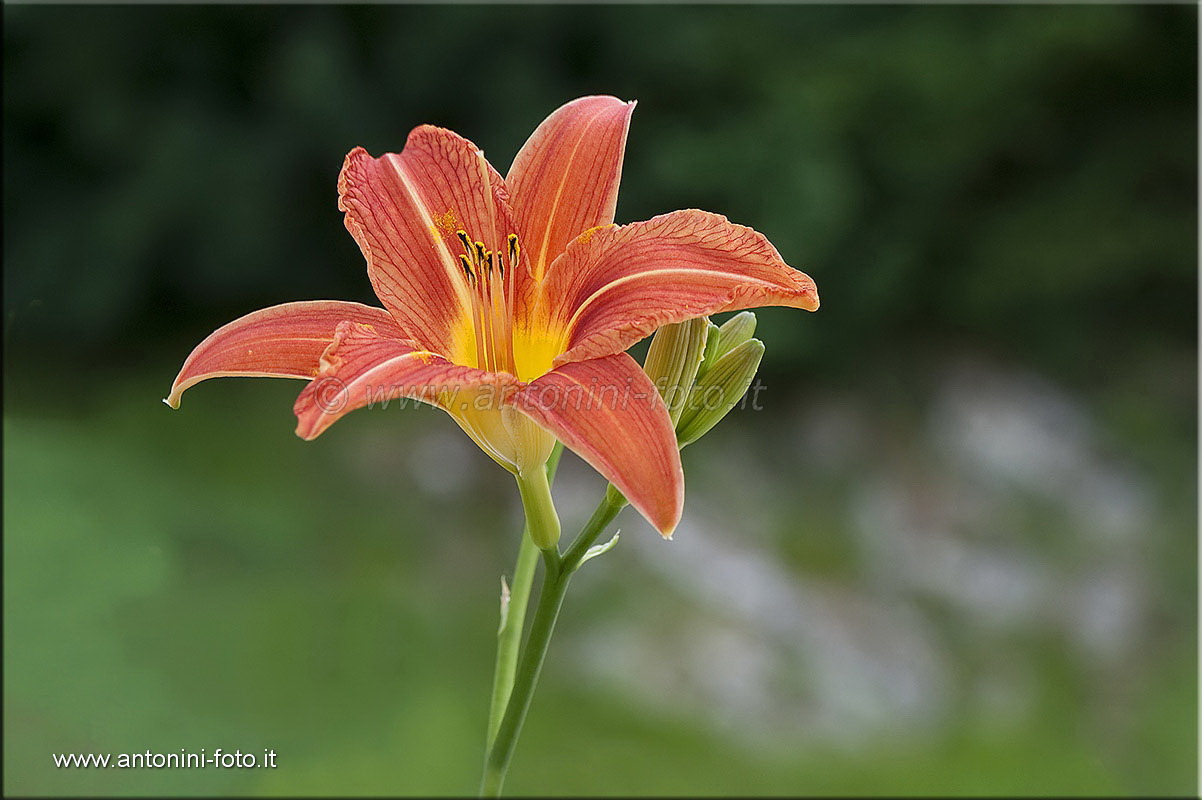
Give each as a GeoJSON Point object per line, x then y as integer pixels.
{"type": "Point", "coordinates": [513, 616]}
{"type": "Point", "coordinates": [509, 635]}
{"type": "Point", "coordinates": [558, 573]}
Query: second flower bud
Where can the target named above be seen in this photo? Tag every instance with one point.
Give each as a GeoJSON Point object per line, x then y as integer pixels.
{"type": "Point", "coordinates": [702, 370]}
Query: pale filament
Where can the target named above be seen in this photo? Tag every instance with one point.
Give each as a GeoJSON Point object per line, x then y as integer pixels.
{"type": "Point", "coordinates": [489, 274]}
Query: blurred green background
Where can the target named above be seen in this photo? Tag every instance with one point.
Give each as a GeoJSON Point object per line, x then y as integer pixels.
{"type": "Point", "coordinates": [955, 553]}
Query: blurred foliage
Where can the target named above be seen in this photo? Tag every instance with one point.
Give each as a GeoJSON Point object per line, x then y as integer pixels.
{"type": "Point", "coordinates": [1017, 184]}
{"type": "Point", "coordinates": [1022, 177]}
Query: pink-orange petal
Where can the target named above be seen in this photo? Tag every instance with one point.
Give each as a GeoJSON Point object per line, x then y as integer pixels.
{"type": "Point", "coordinates": [564, 180]}
{"type": "Point", "coordinates": [284, 341]}
{"type": "Point", "coordinates": [617, 285]}
{"type": "Point", "coordinates": [608, 412]}
{"type": "Point", "coordinates": [404, 211]}
{"type": "Point", "coordinates": [360, 368]}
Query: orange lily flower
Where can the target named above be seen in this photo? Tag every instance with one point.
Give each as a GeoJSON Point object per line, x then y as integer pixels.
{"type": "Point", "coordinates": [509, 302]}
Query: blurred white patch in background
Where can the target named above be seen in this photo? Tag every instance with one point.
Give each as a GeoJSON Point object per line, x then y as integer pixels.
{"type": "Point", "coordinates": [1005, 524]}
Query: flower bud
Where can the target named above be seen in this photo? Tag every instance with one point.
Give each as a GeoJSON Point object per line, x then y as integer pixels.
{"type": "Point", "coordinates": [722, 339]}
{"type": "Point", "coordinates": [734, 332]}
{"type": "Point", "coordinates": [711, 349]}
{"type": "Point", "coordinates": [719, 390]}
{"type": "Point", "coordinates": [672, 361]}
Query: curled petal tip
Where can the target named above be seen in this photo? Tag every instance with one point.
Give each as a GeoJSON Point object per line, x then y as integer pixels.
{"type": "Point", "coordinates": [305, 432]}
{"type": "Point", "coordinates": [177, 392]}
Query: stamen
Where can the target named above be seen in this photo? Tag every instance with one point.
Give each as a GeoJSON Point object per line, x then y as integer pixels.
{"type": "Point", "coordinates": [492, 304]}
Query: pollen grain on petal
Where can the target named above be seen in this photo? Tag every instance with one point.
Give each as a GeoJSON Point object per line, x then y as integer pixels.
{"type": "Point", "coordinates": [587, 236]}
{"type": "Point", "coordinates": [446, 222]}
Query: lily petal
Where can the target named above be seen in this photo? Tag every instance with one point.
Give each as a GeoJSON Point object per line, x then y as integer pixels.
{"type": "Point", "coordinates": [361, 367]}
{"type": "Point", "coordinates": [404, 210]}
{"type": "Point", "coordinates": [614, 286]}
{"type": "Point", "coordinates": [608, 412]}
{"type": "Point", "coordinates": [565, 178]}
{"type": "Point", "coordinates": [284, 341]}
